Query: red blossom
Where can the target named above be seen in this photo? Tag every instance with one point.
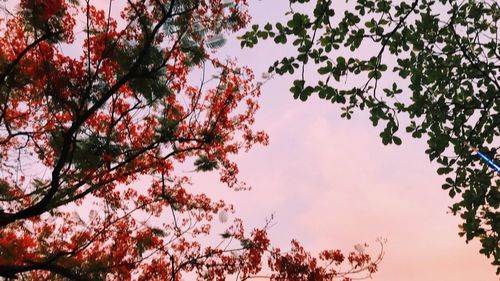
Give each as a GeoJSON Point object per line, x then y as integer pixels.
{"type": "Point", "coordinates": [99, 138]}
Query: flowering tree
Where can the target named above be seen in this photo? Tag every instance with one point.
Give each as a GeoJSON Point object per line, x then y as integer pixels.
{"type": "Point", "coordinates": [90, 142]}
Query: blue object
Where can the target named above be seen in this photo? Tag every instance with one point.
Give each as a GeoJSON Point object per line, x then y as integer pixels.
{"type": "Point", "coordinates": [489, 161]}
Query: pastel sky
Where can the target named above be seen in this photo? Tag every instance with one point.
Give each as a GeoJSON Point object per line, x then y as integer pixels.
{"type": "Point", "coordinates": [331, 183]}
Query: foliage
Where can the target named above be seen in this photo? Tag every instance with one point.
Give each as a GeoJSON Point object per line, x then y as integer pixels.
{"type": "Point", "coordinates": [90, 143]}
{"type": "Point", "coordinates": [445, 60]}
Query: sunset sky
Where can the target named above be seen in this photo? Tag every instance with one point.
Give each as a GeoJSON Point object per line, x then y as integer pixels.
{"type": "Point", "coordinates": [331, 183]}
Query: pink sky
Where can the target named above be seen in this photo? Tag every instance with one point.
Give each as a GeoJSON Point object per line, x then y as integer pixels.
{"type": "Point", "coordinates": [331, 183]}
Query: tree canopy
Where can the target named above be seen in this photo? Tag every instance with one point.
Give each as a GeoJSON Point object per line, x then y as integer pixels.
{"type": "Point", "coordinates": [97, 109]}
{"type": "Point", "coordinates": [431, 67]}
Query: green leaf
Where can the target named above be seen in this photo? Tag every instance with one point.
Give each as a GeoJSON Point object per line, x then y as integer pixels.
{"type": "Point", "coordinates": [396, 140]}
{"type": "Point", "coordinates": [158, 232]}
{"type": "Point", "coordinates": [375, 74]}
{"type": "Point", "coordinates": [205, 164]}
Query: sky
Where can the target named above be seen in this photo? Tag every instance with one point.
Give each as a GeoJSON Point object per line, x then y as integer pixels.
{"type": "Point", "coordinates": [331, 183]}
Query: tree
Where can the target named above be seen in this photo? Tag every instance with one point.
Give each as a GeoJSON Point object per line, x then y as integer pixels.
{"type": "Point", "coordinates": [98, 135]}
{"type": "Point", "coordinates": [445, 60]}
